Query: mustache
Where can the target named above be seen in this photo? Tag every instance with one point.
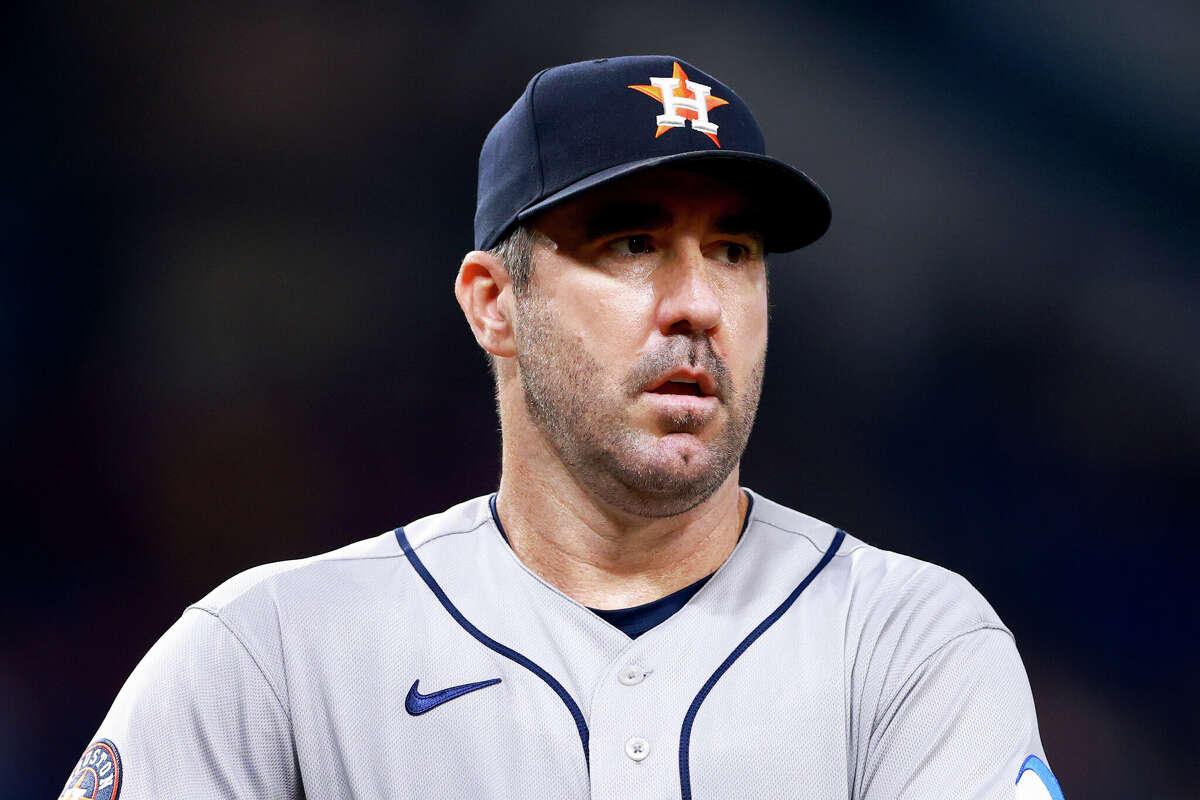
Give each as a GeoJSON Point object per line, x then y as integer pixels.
{"type": "Point", "coordinates": [677, 351]}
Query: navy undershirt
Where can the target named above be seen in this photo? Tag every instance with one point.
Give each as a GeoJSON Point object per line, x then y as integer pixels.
{"type": "Point", "coordinates": [635, 621]}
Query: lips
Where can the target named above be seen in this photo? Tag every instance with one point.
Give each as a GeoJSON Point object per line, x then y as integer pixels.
{"type": "Point", "coordinates": [684, 381]}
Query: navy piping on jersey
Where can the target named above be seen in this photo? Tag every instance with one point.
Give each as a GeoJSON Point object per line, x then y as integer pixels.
{"type": "Point", "coordinates": [685, 735]}
{"type": "Point", "coordinates": [487, 641]}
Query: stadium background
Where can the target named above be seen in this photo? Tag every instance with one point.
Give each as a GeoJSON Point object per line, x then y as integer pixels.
{"type": "Point", "coordinates": [229, 237]}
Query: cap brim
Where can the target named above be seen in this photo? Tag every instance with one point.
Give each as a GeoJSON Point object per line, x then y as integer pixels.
{"type": "Point", "coordinates": [794, 209]}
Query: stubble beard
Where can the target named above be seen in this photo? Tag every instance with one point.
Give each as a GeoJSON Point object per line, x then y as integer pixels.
{"type": "Point", "coordinates": [583, 412]}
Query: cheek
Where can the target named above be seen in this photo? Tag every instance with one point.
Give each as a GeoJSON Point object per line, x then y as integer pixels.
{"type": "Point", "coordinates": [744, 319]}
{"type": "Point", "coordinates": [615, 318]}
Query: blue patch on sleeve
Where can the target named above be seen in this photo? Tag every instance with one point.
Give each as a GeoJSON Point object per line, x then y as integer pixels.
{"type": "Point", "coordinates": [1035, 780]}
{"type": "Point", "coordinates": [97, 776]}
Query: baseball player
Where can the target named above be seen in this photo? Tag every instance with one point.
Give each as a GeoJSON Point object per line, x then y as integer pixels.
{"type": "Point", "coordinates": [620, 619]}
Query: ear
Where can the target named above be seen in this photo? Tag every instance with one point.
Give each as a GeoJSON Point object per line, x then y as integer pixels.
{"type": "Point", "coordinates": [484, 293]}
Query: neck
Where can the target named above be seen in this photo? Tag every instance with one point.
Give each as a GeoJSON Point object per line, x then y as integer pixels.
{"type": "Point", "coordinates": [598, 554]}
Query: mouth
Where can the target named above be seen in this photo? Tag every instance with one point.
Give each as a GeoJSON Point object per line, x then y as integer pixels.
{"type": "Point", "coordinates": [679, 387]}
{"type": "Point", "coordinates": [687, 382]}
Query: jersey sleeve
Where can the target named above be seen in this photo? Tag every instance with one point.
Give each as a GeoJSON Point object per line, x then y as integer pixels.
{"type": "Point", "coordinates": [199, 718]}
{"type": "Point", "coordinates": [960, 726]}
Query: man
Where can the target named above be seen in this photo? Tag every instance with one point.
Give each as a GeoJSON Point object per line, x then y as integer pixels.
{"type": "Point", "coordinates": [620, 620]}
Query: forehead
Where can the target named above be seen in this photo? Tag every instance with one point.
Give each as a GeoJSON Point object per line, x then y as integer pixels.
{"type": "Point", "coordinates": [653, 197]}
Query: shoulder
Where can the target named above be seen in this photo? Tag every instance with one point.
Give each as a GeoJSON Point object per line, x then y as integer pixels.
{"type": "Point", "coordinates": [370, 565]}
{"type": "Point", "coordinates": [270, 578]}
{"type": "Point", "coordinates": [241, 637]}
{"type": "Point", "coordinates": [888, 601]}
{"type": "Point", "coordinates": [305, 604]}
{"type": "Point", "coordinates": [921, 649]}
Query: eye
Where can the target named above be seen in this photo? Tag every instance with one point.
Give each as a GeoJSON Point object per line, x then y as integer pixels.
{"type": "Point", "coordinates": [733, 253]}
{"type": "Point", "coordinates": [632, 245]}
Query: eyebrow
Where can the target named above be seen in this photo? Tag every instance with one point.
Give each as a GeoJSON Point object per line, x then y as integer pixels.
{"type": "Point", "coordinates": [749, 222]}
{"type": "Point", "coordinates": [621, 217]}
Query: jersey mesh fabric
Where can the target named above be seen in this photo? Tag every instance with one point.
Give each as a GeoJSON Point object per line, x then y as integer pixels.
{"type": "Point", "coordinates": [887, 678]}
{"type": "Point", "coordinates": [974, 682]}
{"type": "Point", "coordinates": [198, 719]}
{"type": "Point", "coordinates": [357, 631]}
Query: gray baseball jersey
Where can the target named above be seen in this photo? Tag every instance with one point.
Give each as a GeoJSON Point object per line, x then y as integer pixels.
{"type": "Point", "coordinates": [430, 662]}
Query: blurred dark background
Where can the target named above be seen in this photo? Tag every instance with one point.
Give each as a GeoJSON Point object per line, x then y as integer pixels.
{"type": "Point", "coordinates": [230, 232]}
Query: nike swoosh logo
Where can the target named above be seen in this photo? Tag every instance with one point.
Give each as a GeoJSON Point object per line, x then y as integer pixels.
{"type": "Point", "coordinates": [416, 703]}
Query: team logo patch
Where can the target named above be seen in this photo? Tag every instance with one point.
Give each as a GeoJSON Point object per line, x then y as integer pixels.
{"type": "Point", "coordinates": [97, 776]}
{"type": "Point", "coordinates": [683, 100]}
{"type": "Point", "coordinates": [1035, 781]}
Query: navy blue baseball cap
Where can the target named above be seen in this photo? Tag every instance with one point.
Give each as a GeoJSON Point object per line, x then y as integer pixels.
{"type": "Point", "coordinates": [582, 125]}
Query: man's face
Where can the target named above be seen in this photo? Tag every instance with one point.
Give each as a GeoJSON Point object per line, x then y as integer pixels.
{"type": "Point", "coordinates": [642, 336]}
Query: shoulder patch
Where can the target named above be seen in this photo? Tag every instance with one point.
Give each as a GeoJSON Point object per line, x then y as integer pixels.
{"type": "Point", "coordinates": [1035, 781]}
{"type": "Point", "coordinates": [97, 776]}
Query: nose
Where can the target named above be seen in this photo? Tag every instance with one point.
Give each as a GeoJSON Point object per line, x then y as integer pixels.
{"type": "Point", "coordinates": [688, 302]}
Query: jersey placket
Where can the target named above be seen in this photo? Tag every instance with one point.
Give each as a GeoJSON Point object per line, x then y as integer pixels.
{"type": "Point", "coordinates": [632, 747]}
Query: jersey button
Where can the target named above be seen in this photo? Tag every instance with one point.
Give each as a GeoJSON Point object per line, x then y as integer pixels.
{"type": "Point", "coordinates": [631, 675]}
{"type": "Point", "coordinates": [637, 748]}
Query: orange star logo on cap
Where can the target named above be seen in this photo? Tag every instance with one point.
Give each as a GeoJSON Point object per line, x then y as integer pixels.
{"type": "Point", "coordinates": [682, 100]}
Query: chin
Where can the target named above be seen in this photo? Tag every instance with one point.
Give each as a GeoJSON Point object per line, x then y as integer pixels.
{"type": "Point", "coordinates": [683, 453]}
{"type": "Point", "coordinates": [673, 479]}
{"type": "Point", "coordinates": [667, 499]}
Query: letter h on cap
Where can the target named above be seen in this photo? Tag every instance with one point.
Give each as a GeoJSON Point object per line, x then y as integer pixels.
{"type": "Point", "coordinates": [672, 102]}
